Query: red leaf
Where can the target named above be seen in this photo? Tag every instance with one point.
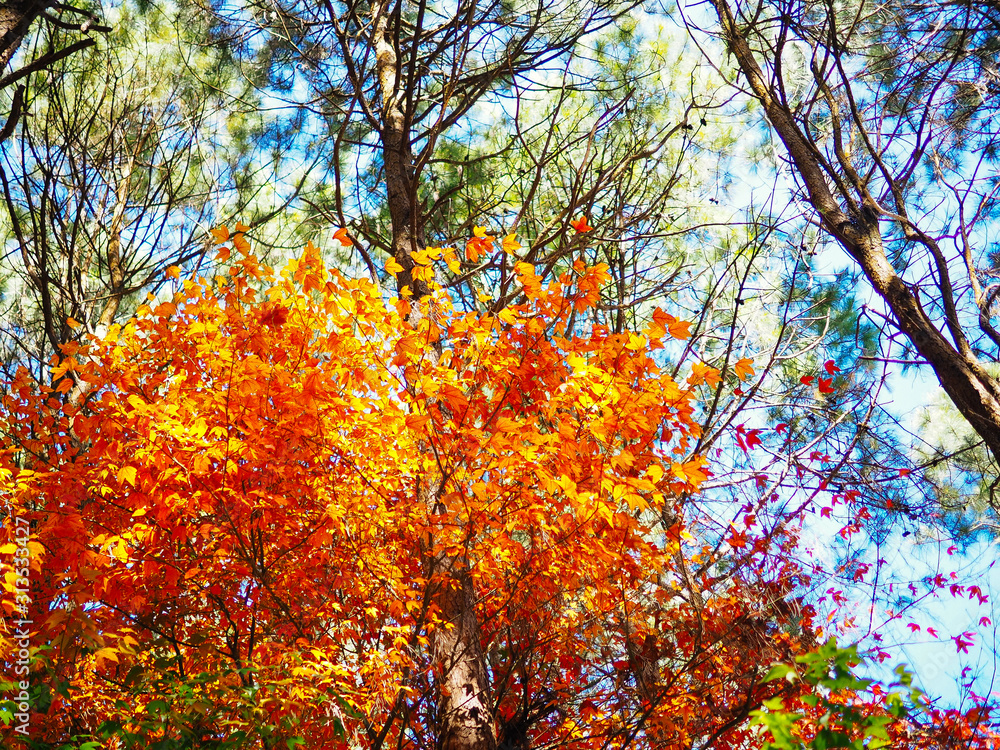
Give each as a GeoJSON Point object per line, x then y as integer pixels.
{"type": "Point", "coordinates": [962, 646]}
{"type": "Point", "coordinates": [830, 367]}
{"type": "Point", "coordinates": [913, 627]}
{"type": "Point", "coordinates": [274, 316]}
{"type": "Point", "coordinates": [806, 379]}
{"type": "Point", "coordinates": [825, 385]}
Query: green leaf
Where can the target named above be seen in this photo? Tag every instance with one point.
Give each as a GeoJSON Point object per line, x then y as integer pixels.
{"type": "Point", "coordinates": [781, 671]}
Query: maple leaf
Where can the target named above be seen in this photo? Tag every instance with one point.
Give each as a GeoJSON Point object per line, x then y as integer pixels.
{"type": "Point", "coordinates": [581, 225]}
{"type": "Point", "coordinates": [341, 236]}
{"type": "Point", "coordinates": [679, 329]}
{"type": "Point", "coordinates": [417, 421]}
{"type": "Point", "coordinates": [480, 243]}
{"type": "Point", "coordinates": [737, 539]}
{"type": "Point", "coordinates": [914, 628]}
{"type": "Point", "coordinates": [744, 368]}
{"type": "Point", "coordinates": [274, 316]}
{"type": "Point", "coordinates": [702, 373]}
{"type": "Point", "coordinates": [510, 244]}
{"type": "Point", "coordinates": [747, 439]}
{"type": "Point", "coordinates": [830, 367]}
{"type": "Point", "coordinates": [825, 385]}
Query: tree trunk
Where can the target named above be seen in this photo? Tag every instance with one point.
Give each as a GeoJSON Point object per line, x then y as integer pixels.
{"type": "Point", "coordinates": [464, 709]}
{"type": "Point", "coordinates": [974, 392]}
{"type": "Point", "coordinates": [459, 664]}
{"type": "Point", "coordinates": [15, 19]}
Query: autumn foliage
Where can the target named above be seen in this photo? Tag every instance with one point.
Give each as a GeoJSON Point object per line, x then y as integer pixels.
{"type": "Point", "coordinates": [252, 508]}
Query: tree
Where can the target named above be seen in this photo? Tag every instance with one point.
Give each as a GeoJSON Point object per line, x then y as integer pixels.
{"type": "Point", "coordinates": [885, 117]}
{"type": "Point", "coordinates": [115, 159]}
{"type": "Point", "coordinates": [230, 543]}
{"type": "Point", "coordinates": [16, 19]}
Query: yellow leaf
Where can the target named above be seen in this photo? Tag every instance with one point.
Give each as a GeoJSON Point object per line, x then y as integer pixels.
{"type": "Point", "coordinates": [391, 266]}
{"type": "Point", "coordinates": [106, 653]}
{"type": "Point", "coordinates": [511, 245]}
{"type": "Point", "coordinates": [692, 472]}
{"type": "Point", "coordinates": [127, 474]}
{"type": "Point", "coordinates": [636, 343]}
{"type": "Point", "coordinates": [221, 234]}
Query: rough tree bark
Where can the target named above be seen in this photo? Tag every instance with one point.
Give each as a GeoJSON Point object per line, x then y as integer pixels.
{"type": "Point", "coordinates": [15, 19]}
{"type": "Point", "coordinates": [464, 708]}
{"type": "Point", "coordinates": [974, 392]}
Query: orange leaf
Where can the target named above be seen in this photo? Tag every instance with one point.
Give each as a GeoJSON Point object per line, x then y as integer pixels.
{"type": "Point", "coordinates": [417, 421]}
{"type": "Point", "coordinates": [663, 322]}
{"type": "Point", "coordinates": [581, 225]}
{"type": "Point", "coordinates": [341, 236]}
{"type": "Point", "coordinates": [744, 368]}
{"type": "Point", "coordinates": [702, 373]}
{"type": "Point", "coordinates": [679, 329]}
